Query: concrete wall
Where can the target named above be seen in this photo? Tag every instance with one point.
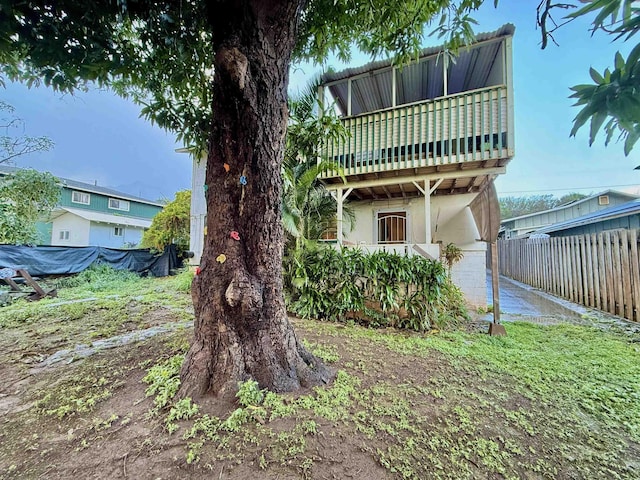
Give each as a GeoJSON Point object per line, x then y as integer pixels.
{"type": "Point", "coordinates": [77, 227]}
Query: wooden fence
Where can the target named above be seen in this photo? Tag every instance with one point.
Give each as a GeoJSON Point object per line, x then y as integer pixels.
{"type": "Point", "coordinates": [597, 270]}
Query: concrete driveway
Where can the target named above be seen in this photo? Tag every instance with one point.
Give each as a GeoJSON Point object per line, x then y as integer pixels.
{"type": "Point", "coordinates": [523, 302]}
{"type": "Point", "coordinates": [520, 302]}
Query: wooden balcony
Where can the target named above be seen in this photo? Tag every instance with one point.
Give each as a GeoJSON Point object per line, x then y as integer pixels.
{"type": "Point", "coordinates": [473, 127]}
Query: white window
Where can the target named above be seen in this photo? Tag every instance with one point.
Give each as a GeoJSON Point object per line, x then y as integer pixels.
{"type": "Point", "coordinates": [64, 234]}
{"type": "Point", "coordinates": [118, 231]}
{"type": "Point", "coordinates": [118, 204]}
{"type": "Point", "coordinates": [80, 197]}
{"type": "Point", "coordinates": [392, 227]}
{"type": "Point", "coordinates": [603, 200]}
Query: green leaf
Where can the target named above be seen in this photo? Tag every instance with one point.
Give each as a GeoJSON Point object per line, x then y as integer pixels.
{"type": "Point", "coordinates": [596, 122]}
{"type": "Point", "coordinates": [599, 79]}
{"type": "Point", "coordinates": [631, 140]}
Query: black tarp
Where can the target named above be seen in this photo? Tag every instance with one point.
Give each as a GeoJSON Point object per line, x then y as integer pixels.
{"type": "Point", "coordinates": [47, 260]}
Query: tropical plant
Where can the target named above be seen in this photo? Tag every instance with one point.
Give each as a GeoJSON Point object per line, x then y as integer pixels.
{"type": "Point", "coordinates": [308, 209]}
{"type": "Point", "coordinates": [613, 99]}
{"type": "Point", "coordinates": [171, 225]}
{"type": "Point", "coordinates": [451, 254]}
{"type": "Point", "coordinates": [379, 289]}
{"type": "Point", "coordinates": [26, 196]}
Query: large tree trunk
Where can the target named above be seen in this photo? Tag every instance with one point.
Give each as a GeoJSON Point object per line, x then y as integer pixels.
{"type": "Point", "coordinates": [241, 326]}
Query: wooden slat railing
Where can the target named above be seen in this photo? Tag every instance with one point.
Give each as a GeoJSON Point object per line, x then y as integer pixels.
{"type": "Point", "coordinates": [469, 126]}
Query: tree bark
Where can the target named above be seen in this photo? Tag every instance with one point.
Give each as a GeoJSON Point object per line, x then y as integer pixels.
{"type": "Point", "coordinates": [241, 325]}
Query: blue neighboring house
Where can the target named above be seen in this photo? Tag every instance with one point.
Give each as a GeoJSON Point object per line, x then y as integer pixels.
{"type": "Point", "coordinates": [90, 215]}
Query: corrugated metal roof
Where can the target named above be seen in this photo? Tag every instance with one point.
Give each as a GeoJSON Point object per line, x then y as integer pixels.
{"type": "Point", "coordinates": [504, 31]}
{"type": "Point", "coordinates": [419, 80]}
{"type": "Point", "coordinates": [87, 187]}
{"type": "Point", "coordinates": [623, 210]}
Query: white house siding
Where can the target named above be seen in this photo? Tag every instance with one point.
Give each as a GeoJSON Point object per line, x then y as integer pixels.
{"type": "Point", "coordinates": [103, 235]}
{"type": "Point", "coordinates": [198, 210]}
{"type": "Point", "coordinates": [451, 222]}
{"type": "Point", "coordinates": [77, 227]}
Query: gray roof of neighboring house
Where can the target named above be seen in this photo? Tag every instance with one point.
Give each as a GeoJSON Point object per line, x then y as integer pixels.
{"type": "Point", "coordinates": [630, 196]}
{"type": "Point", "coordinates": [622, 210]}
{"type": "Point", "coordinates": [418, 80]}
{"type": "Point", "coordinates": [87, 187]}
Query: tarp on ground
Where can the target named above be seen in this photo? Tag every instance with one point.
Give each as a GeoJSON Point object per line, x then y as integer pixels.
{"type": "Point", "coordinates": [46, 260]}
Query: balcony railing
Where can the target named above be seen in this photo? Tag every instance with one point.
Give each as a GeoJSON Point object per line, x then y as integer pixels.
{"type": "Point", "coordinates": [465, 127]}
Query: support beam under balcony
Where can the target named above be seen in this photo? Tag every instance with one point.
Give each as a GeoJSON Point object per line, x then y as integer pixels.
{"type": "Point", "coordinates": [341, 196]}
{"type": "Point", "coordinates": [379, 182]}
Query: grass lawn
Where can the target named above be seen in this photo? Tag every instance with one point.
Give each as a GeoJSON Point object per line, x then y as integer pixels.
{"type": "Point", "coordinates": [544, 402]}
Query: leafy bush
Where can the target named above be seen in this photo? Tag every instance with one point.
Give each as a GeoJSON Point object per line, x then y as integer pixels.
{"type": "Point", "coordinates": [99, 277]}
{"type": "Point", "coordinates": [171, 225]}
{"type": "Point", "coordinates": [380, 289]}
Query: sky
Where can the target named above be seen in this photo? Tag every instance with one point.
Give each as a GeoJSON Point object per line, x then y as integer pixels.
{"type": "Point", "coordinates": [100, 138]}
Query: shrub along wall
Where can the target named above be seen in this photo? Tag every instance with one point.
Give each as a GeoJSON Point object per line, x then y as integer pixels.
{"type": "Point", "coordinates": [379, 289]}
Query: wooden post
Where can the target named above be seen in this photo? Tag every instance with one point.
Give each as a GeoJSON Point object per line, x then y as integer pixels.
{"type": "Point", "coordinates": [339, 216]}
{"type": "Point", "coordinates": [495, 329]}
{"type": "Point", "coordinates": [394, 98]}
{"type": "Point", "coordinates": [341, 196]}
{"type": "Point", "coordinates": [427, 212]}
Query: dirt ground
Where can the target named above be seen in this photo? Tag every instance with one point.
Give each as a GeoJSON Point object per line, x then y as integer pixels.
{"type": "Point", "coordinates": [396, 412]}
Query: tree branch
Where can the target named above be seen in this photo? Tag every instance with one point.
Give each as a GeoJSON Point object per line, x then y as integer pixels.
{"type": "Point", "coordinates": [543, 16]}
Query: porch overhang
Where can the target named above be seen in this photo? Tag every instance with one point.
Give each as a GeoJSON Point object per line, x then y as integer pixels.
{"type": "Point", "coordinates": [452, 179]}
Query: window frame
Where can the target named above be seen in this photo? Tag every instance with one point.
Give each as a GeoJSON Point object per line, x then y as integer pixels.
{"type": "Point", "coordinates": [64, 235]}
{"type": "Point", "coordinates": [79, 193]}
{"type": "Point", "coordinates": [115, 231]}
{"type": "Point", "coordinates": [407, 225]}
{"type": "Point", "coordinates": [120, 202]}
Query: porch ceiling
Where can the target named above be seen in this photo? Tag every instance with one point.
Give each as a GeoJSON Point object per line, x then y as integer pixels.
{"type": "Point", "coordinates": [458, 178]}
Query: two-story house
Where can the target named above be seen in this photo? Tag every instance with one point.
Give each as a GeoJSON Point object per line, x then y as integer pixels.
{"type": "Point", "coordinates": [91, 215]}
{"type": "Point", "coordinates": [424, 139]}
